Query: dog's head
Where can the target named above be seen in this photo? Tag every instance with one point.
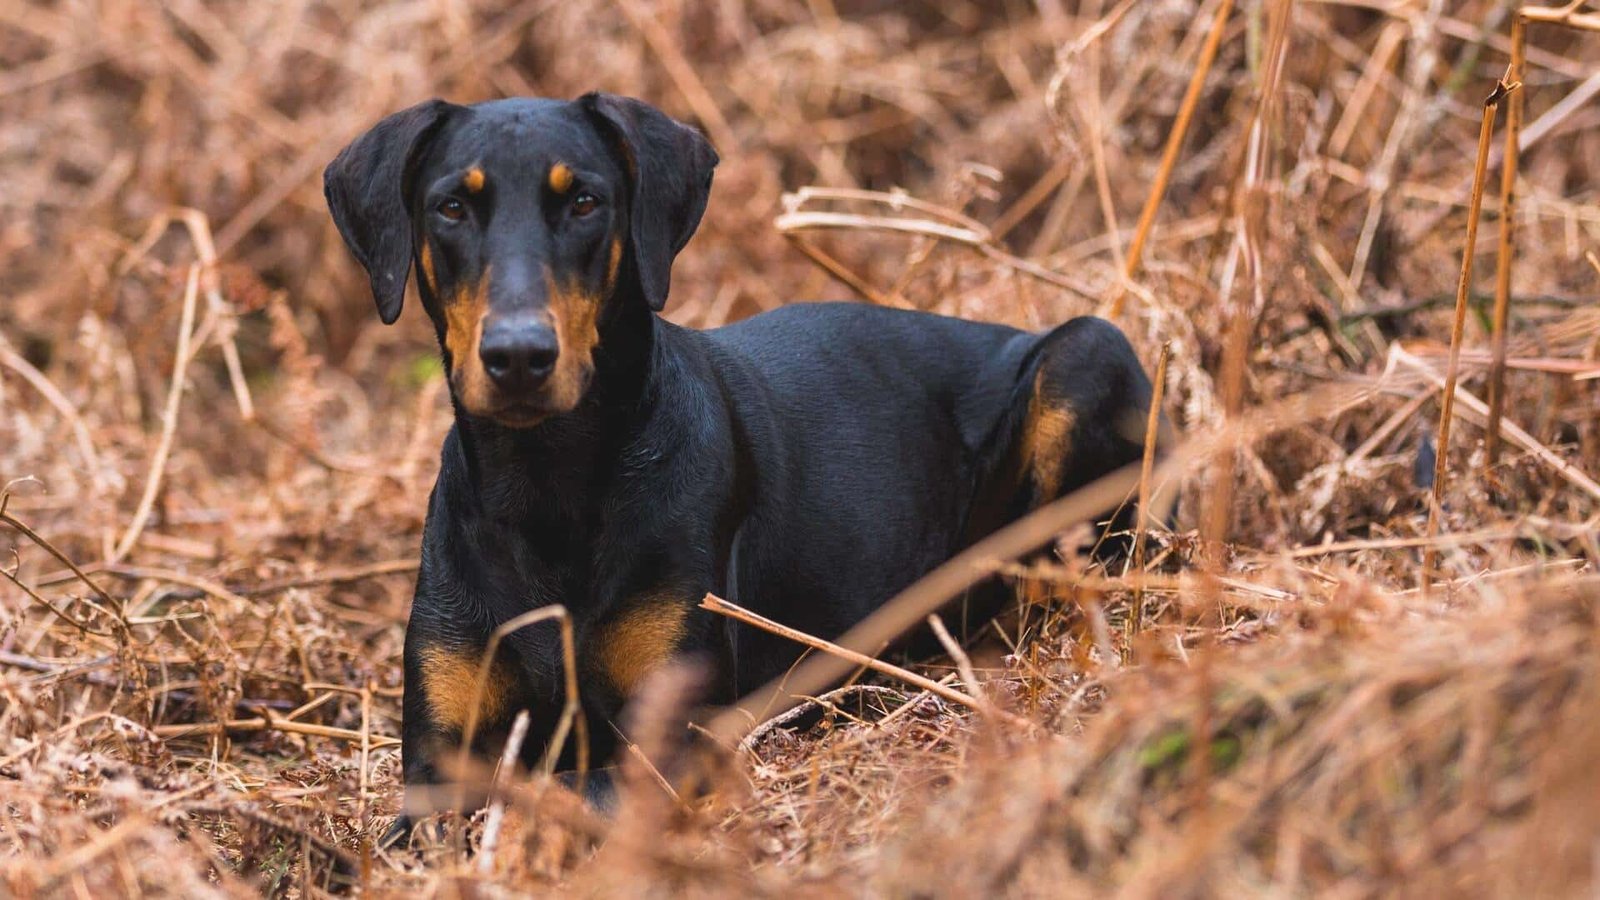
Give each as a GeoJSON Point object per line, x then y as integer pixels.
{"type": "Point", "coordinates": [525, 219]}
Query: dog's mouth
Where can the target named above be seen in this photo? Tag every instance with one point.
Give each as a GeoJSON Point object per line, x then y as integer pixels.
{"type": "Point", "coordinates": [520, 414]}
{"type": "Point", "coordinates": [524, 411]}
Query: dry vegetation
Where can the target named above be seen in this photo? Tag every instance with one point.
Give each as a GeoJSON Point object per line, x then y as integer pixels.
{"type": "Point", "coordinates": [237, 456]}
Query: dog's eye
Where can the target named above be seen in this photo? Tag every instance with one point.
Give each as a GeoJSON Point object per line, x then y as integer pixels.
{"type": "Point", "coordinates": [452, 209]}
{"type": "Point", "coordinates": [585, 203]}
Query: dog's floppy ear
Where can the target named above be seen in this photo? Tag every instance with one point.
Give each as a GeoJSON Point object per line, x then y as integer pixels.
{"type": "Point", "coordinates": [367, 185]}
{"type": "Point", "coordinates": [670, 165]}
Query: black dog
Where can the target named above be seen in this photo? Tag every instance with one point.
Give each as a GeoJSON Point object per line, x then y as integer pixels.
{"type": "Point", "coordinates": [807, 463]}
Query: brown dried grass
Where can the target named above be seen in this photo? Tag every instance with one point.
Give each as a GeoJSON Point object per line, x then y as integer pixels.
{"type": "Point", "coordinates": [207, 708]}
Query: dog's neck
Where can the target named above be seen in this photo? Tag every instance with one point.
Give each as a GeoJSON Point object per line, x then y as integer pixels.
{"type": "Point", "coordinates": [544, 476]}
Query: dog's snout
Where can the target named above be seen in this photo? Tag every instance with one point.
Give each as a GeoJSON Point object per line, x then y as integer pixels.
{"type": "Point", "coordinates": [518, 353]}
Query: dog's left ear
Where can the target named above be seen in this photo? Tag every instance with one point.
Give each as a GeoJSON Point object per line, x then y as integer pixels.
{"type": "Point", "coordinates": [670, 165]}
{"type": "Point", "coordinates": [366, 190]}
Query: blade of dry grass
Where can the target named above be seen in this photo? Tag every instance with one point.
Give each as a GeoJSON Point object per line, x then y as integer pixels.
{"type": "Point", "coordinates": [169, 420]}
{"type": "Point", "coordinates": [1169, 156]}
{"type": "Point", "coordinates": [1504, 256]}
{"type": "Point", "coordinates": [1441, 470]}
{"type": "Point", "coordinates": [1144, 523]}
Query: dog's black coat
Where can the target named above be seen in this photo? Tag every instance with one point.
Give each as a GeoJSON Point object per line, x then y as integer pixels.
{"type": "Point", "coordinates": [807, 463]}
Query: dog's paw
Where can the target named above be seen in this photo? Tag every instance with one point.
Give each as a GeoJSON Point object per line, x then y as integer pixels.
{"type": "Point", "coordinates": [399, 834]}
{"type": "Point", "coordinates": [415, 834]}
{"type": "Point", "coordinates": [599, 789]}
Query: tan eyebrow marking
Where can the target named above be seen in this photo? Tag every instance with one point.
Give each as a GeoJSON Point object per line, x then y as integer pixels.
{"type": "Point", "coordinates": [560, 178]}
{"type": "Point", "coordinates": [473, 180]}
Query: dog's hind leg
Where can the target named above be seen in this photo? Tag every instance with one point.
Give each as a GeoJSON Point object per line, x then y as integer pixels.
{"type": "Point", "coordinates": [1085, 403]}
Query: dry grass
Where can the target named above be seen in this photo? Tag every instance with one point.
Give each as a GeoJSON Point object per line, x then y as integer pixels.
{"type": "Point", "coordinates": [200, 413]}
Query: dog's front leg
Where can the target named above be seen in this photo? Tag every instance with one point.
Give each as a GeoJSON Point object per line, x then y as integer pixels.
{"type": "Point", "coordinates": [445, 681]}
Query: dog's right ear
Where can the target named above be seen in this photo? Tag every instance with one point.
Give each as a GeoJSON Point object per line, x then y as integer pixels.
{"type": "Point", "coordinates": [367, 185]}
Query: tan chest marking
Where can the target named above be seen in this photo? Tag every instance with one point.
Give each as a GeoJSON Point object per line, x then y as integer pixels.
{"type": "Point", "coordinates": [449, 682]}
{"type": "Point", "coordinates": [640, 640]}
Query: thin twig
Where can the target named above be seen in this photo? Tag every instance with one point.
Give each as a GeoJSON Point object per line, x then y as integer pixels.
{"type": "Point", "coordinates": [1508, 532]}
{"type": "Point", "coordinates": [169, 419]}
{"type": "Point", "coordinates": [1240, 315]}
{"type": "Point", "coordinates": [572, 712]}
{"type": "Point", "coordinates": [962, 660]}
{"type": "Point", "coordinates": [366, 749]}
{"type": "Point", "coordinates": [1088, 96]}
{"type": "Point", "coordinates": [1441, 469]}
{"type": "Point", "coordinates": [1169, 156]}
{"type": "Point", "coordinates": [840, 271]}
{"type": "Point", "coordinates": [656, 778]}
{"type": "Point", "coordinates": [733, 611]}
{"type": "Point", "coordinates": [1563, 15]}
{"type": "Point", "coordinates": [895, 200]}
{"type": "Point", "coordinates": [199, 228]}
{"type": "Point", "coordinates": [80, 432]}
{"type": "Point", "coordinates": [288, 726]}
{"type": "Point", "coordinates": [1374, 440]}
{"type": "Point", "coordinates": [1504, 256]}
{"type": "Point", "coordinates": [1142, 524]}
{"type": "Point", "coordinates": [968, 233]}
{"type": "Point", "coordinates": [803, 220]}
{"type": "Point", "coordinates": [197, 582]}
{"type": "Point", "coordinates": [73, 570]}
{"type": "Point", "coordinates": [59, 613]}
{"type": "Point", "coordinates": [1032, 197]}
{"type": "Point", "coordinates": [502, 776]}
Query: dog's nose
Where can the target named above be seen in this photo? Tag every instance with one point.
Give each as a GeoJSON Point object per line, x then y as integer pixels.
{"type": "Point", "coordinates": [518, 353]}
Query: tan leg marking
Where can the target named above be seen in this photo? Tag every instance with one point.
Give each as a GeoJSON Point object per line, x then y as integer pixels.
{"type": "Point", "coordinates": [1046, 441]}
{"type": "Point", "coordinates": [449, 679]}
{"type": "Point", "coordinates": [640, 640]}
